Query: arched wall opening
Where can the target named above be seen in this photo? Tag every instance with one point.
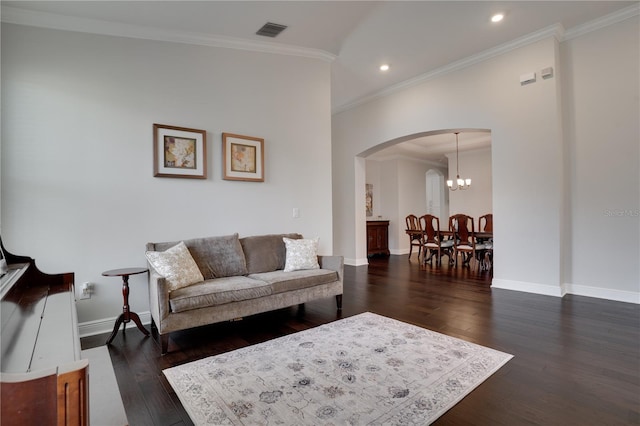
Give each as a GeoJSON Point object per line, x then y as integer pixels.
{"type": "Point", "coordinates": [408, 176]}
{"type": "Point", "coordinates": [526, 134]}
{"type": "Point", "coordinates": [546, 141]}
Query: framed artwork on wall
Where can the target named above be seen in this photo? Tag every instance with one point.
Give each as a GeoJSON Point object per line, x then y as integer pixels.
{"type": "Point", "coordinates": [179, 152]}
{"type": "Point", "coordinates": [369, 199]}
{"type": "Point", "coordinates": [243, 157]}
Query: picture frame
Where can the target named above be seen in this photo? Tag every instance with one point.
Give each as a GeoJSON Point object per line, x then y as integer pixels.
{"type": "Point", "coordinates": [179, 152]}
{"type": "Point", "coordinates": [368, 197]}
{"type": "Point", "coordinates": [243, 158]}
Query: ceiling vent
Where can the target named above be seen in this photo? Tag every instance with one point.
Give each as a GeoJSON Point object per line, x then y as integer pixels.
{"type": "Point", "coordinates": [271, 30]}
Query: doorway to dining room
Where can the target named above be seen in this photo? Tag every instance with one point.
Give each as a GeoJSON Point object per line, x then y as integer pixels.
{"type": "Point", "coordinates": [408, 176]}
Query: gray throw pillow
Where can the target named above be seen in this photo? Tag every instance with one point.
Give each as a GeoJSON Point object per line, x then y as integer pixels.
{"type": "Point", "coordinates": [265, 253]}
{"type": "Point", "coordinates": [218, 257]}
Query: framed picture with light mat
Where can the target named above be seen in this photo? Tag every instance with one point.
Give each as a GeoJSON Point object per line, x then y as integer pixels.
{"type": "Point", "coordinates": [243, 157]}
{"type": "Point", "coordinates": [179, 152]}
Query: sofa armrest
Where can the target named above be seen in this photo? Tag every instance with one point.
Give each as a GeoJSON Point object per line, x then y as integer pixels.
{"type": "Point", "coordinates": [158, 297]}
{"type": "Point", "coordinates": [334, 263]}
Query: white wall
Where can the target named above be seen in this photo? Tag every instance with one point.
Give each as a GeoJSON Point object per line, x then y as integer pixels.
{"type": "Point", "coordinates": [412, 199]}
{"type": "Point", "coordinates": [527, 141]}
{"type": "Point", "coordinates": [477, 200]}
{"type": "Point", "coordinates": [78, 192]}
{"type": "Point", "coordinates": [389, 194]}
{"type": "Point", "coordinates": [402, 191]}
{"type": "Point", "coordinates": [373, 177]}
{"type": "Point", "coordinates": [601, 89]}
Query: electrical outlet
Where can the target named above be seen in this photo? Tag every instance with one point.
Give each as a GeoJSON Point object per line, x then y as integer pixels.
{"type": "Point", "coordinates": [85, 291]}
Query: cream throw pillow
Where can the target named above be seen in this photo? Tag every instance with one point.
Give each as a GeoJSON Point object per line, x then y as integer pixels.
{"type": "Point", "coordinates": [177, 265]}
{"type": "Point", "coordinates": [301, 254]}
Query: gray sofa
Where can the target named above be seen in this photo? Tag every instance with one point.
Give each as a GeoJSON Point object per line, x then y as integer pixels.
{"type": "Point", "coordinates": [241, 277]}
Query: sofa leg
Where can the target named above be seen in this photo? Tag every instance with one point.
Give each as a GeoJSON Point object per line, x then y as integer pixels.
{"type": "Point", "coordinates": [164, 343]}
{"type": "Point", "coordinates": [339, 301]}
{"type": "Point", "coordinates": [301, 310]}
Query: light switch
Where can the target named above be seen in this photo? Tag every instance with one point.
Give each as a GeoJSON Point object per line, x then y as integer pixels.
{"type": "Point", "coordinates": [296, 212]}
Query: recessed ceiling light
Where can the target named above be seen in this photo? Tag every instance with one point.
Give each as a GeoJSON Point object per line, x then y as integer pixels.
{"type": "Point", "coordinates": [384, 67]}
{"type": "Point", "coordinates": [497, 17]}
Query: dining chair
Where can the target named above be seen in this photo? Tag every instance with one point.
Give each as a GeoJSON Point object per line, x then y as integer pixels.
{"type": "Point", "coordinates": [465, 243]}
{"type": "Point", "coordinates": [415, 233]}
{"type": "Point", "coordinates": [485, 224]}
{"type": "Point", "coordinates": [433, 242]}
{"type": "Point", "coordinates": [487, 220]}
{"type": "Point", "coordinates": [487, 259]}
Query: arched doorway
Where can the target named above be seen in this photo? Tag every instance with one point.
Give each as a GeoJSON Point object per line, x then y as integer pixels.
{"type": "Point", "coordinates": [440, 143]}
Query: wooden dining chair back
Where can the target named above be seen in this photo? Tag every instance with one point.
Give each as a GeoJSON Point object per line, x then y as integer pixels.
{"type": "Point", "coordinates": [414, 231]}
{"type": "Point", "coordinates": [433, 243]}
{"type": "Point", "coordinates": [465, 244]}
{"type": "Point", "coordinates": [485, 223]}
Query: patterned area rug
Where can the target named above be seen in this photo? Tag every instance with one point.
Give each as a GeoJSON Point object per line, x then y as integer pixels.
{"type": "Point", "coordinates": [362, 370]}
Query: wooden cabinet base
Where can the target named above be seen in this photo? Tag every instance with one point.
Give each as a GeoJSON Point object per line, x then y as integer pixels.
{"type": "Point", "coordinates": [377, 237]}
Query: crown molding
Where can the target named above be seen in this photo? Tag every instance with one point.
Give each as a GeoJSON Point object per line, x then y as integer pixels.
{"type": "Point", "coordinates": [14, 15]}
{"type": "Point", "coordinates": [605, 21]}
{"type": "Point", "coordinates": [404, 157]}
{"type": "Point", "coordinates": [557, 31]}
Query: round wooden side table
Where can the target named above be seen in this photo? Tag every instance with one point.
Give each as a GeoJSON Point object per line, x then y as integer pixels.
{"type": "Point", "coordinates": [126, 314]}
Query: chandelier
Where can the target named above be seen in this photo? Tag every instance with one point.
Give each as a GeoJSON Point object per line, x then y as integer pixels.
{"type": "Point", "coordinates": [460, 183]}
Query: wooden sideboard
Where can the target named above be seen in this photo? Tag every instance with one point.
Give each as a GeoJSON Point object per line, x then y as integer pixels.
{"type": "Point", "coordinates": [377, 237]}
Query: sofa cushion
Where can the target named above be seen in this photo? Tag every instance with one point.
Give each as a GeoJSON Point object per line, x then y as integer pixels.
{"type": "Point", "coordinates": [177, 266]}
{"type": "Point", "coordinates": [301, 254]}
{"type": "Point", "coordinates": [265, 253]}
{"type": "Point", "coordinates": [286, 281]}
{"type": "Point", "coordinates": [218, 292]}
{"type": "Point", "coordinates": [216, 257]}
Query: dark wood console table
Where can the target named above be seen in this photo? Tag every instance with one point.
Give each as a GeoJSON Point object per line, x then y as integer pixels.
{"type": "Point", "coordinates": [126, 314]}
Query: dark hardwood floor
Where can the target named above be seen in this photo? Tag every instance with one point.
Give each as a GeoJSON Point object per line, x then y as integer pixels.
{"type": "Point", "coordinates": [576, 360]}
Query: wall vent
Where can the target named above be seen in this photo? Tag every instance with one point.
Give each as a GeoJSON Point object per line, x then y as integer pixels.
{"type": "Point", "coordinates": [271, 30]}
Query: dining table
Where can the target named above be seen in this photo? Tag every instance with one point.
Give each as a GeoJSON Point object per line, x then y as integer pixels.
{"type": "Point", "coordinates": [480, 235]}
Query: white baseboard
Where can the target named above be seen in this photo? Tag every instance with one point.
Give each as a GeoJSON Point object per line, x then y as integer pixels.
{"type": "Point", "coordinates": [567, 288]}
{"type": "Point", "coordinates": [91, 328]}
{"type": "Point", "coordinates": [356, 262]}
{"type": "Point", "coordinates": [603, 293]}
{"type": "Point", "coordinates": [527, 287]}
{"type": "Point", "coordinates": [400, 251]}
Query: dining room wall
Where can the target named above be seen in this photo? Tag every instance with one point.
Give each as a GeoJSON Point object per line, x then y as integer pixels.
{"type": "Point", "coordinates": [373, 178]}
{"type": "Point", "coordinates": [412, 199]}
{"type": "Point", "coordinates": [477, 200]}
{"type": "Point", "coordinates": [402, 183]}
